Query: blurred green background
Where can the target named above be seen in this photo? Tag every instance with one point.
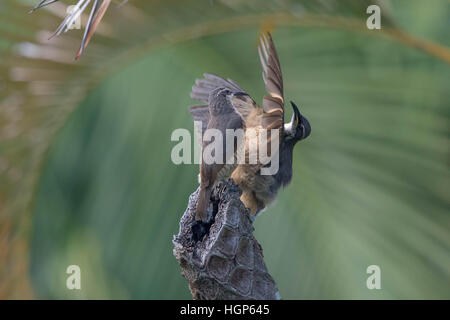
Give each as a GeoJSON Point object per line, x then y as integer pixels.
{"type": "Point", "coordinates": [370, 184]}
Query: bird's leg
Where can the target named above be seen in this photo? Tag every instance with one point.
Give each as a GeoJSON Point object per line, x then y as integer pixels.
{"type": "Point", "coordinates": [249, 200]}
{"type": "Point", "coordinates": [242, 179]}
{"type": "Point", "coordinates": [201, 228]}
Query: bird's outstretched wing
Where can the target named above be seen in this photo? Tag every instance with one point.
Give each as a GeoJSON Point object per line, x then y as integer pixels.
{"type": "Point", "coordinates": [200, 113]}
{"type": "Point", "coordinates": [273, 104]}
{"type": "Point", "coordinates": [271, 116]}
{"type": "Point", "coordinates": [243, 104]}
{"type": "Point", "coordinates": [202, 87]}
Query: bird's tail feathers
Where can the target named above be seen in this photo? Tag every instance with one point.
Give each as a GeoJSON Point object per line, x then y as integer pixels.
{"type": "Point", "coordinates": [202, 204]}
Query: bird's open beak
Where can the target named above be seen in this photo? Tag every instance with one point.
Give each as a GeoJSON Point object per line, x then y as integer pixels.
{"type": "Point", "coordinates": [297, 121]}
{"type": "Point", "coordinates": [296, 116]}
{"type": "Point", "coordinates": [304, 123]}
{"type": "Point", "coordinates": [296, 111]}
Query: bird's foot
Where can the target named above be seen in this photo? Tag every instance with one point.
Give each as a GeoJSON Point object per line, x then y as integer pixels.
{"type": "Point", "coordinates": [201, 228]}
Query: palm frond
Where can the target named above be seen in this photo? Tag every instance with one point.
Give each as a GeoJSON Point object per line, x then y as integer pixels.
{"type": "Point", "coordinates": [96, 15]}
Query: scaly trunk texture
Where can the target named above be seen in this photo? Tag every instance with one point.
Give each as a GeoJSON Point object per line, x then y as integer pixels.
{"type": "Point", "coordinates": [227, 263]}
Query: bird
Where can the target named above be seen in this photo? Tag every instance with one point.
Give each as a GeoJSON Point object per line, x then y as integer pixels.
{"type": "Point", "coordinates": [222, 116]}
{"type": "Point", "coordinates": [225, 105]}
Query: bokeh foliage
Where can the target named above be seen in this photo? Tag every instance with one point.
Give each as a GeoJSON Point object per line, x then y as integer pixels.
{"type": "Point", "coordinates": [370, 185]}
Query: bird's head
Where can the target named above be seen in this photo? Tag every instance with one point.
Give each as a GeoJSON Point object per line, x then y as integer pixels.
{"type": "Point", "coordinates": [298, 128]}
{"type": "Point", "coordinates": [223, 94]}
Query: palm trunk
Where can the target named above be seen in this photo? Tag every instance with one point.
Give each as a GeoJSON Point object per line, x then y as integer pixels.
{"type": "Point", "coordinates": [228, 262]}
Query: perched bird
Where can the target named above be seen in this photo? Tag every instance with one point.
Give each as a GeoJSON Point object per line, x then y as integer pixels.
{"type": "Point", "coordinates": [228, 106]}
{"type": "Point", "coordinates": [222, 116]}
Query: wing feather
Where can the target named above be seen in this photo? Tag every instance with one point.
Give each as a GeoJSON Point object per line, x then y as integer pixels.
{"type": "Point", "coordinates": [272, 77]}
{"type": "Point", "coordinates": [272, 104]}
{"type": "Point", "coordinates": [200, 113]}
{"type": "Point", "coordinates": [272, 116]}
{"type": "Point", "coordinates": [202, 88]}
{"type": "Point", "coordinates": [243, 104]}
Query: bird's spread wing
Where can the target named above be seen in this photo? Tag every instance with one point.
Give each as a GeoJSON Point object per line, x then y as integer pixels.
{"type": "Point", "coordinates": [243, 104]}
{"type": "Point", "coordinates": [270, 116]}
{"type": "Point", "coordinates": [272, 112]}
{"type": "Point", "coordinates": [200, 113]}
{"type": "Point", "coordinates": [273, 104]}
{"type": "Point", "coordinates": [202, 87]}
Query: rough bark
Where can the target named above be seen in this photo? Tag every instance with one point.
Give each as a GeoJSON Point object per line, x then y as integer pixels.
{"type": "Point", "coordinates": [227, 262]}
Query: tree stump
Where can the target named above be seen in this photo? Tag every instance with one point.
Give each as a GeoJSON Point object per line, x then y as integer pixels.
{"type": "Point", "coordinates": [224, 262]}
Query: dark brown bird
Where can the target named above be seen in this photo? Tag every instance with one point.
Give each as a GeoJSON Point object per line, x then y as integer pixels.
{"type": "Point", "coordinates": [230, 107]}
{"type": "Point", "coordinates": [222, 116]}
